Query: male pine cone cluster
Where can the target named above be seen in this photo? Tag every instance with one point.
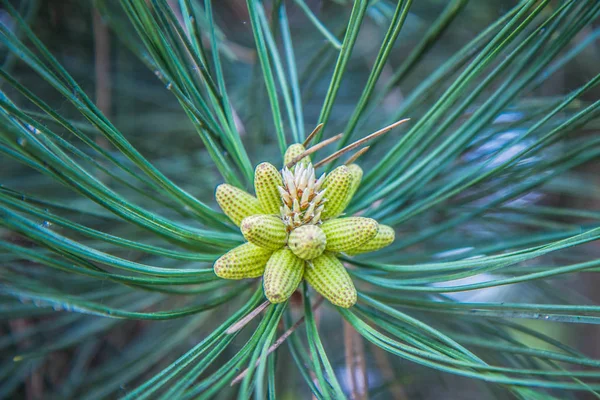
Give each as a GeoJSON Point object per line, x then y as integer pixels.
{"type": "Point", "coordinates": [294, 231]}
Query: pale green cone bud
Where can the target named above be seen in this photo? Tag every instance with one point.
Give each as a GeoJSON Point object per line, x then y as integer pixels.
{"type": "Point", "coordinates": [266, 181]}
{"type": "Point", "coordinates": [337, 184]}
{"type": "Point", "coordinates": [385, 236]}
{"type": "Point", "coordinates": [356, 173]}
{"type": "Point", "coordinates": [266, 231]}
{"type": "Point", "coordinates": [245, 261]}
{"type": "Point", "coordinates": [282, 275]}
{"type": "Point", "coordinates": [327, 275]}
{"type": "Point", "coordinates": [344, 234]}
{"type": "Point", "coordinates": [236, 203]}
{"type": "Point", "coordinates": [292, 152]}
{"type": "Point", "coordinates": [307, 242]}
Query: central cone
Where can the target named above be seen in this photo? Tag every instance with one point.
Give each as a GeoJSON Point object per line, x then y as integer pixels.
{"type": "Point", "coordinates": [307, 242]}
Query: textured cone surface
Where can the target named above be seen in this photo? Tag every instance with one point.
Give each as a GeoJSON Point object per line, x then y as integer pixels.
{"type": "Point", "coordinates": [337, 183]}
{"type": "Point", "coordinates": [292, 152]}
{"type": "Point", "coordinates": [356, 173]}
{"type": "Point", "coordinates": [344, 234]}
{"type": "Point", "coordinates": [282, 275]}
{"type": "Point", "coordinates": [266, 231]}
{"type": "Point", "coordinates": [384, 237]}
{"type": "Point", "coordinates": [307, 241]}
{"type": "Point", "coordinates": [328, 276]}
{"type": "Point", "coordinates": [245, 261]}
{"type": "Point", "coordinates": [266, 180]}
{"type": "Point", "coordinates": [236, 203]}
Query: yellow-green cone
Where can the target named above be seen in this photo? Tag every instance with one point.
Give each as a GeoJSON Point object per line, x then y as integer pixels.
{"type": "Point", "coordinates": [337, 185]}
{"type": "Point", "coordinates": [344, 234]}
{"type": "Point", "coordinates": [266, 180]}
{"type": "Point", "coordinates": [385, 236]}
{"type": "Point", "coordinates": [307, 242]}
{"type": "Point", "coordinates": [245, 261]}
{"type": "Point", "coordinates": [356, 173]}
{"type": "Point", "coordinates": [266, 231]}
{"type": "Point", "coordinates": [282, 276]}
{"type": "Point", "coordinates": [328, 276]}
{"type": "Point", "coordinates": [236, 203]}
{"type": "Point", "coordinates": [292, 152]}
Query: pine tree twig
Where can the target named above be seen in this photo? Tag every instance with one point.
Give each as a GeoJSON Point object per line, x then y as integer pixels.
{"type": "Point", "coordinates": [349, 359]}
{"type": "Point", "coordinates": [386, 369]}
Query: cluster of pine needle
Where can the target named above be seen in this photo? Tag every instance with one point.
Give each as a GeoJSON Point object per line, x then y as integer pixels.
{"type": "Point", "coordinates": [455, 255]}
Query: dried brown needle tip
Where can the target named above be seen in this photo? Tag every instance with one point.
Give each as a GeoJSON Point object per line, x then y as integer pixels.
{"type": "Point", "coordinates": [359, 142]}
{"type": "Point", "coordinates": [313, 149]}
{"type": "Point", "coordinates": [244, 321]}
{"type": "Point", "coordinates": [312, 135]}
{"type": "Point", "coordinates": [357, 154]}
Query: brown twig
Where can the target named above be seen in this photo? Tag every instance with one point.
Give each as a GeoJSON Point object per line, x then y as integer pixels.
{"type": "Point", "coordinates": [316, 147]}
{"type": "Point", "coordinates": [278, 342]}
{"type": "Point", "coordinates": [102, 69]}
{"type": "Point", "coordinates": [357, 154]}
{"type": "Point", "coordinates": [356, 368]}
{"type": "Point", "coordinates": [349, 359]}
{"type": "Point", "coordinates": [387, 371]}
{"type": "Point", "coordinates": [102, 64]}
{"type": "Point", "coordinates": [361, 364]}
{"type": "Point", "coordinates": [312, 134]}
{"type": "Point", "coordinates": [244, 321]}
{"type": "Point", "coordinates": [358, 143]}
{"type": "Point", "coordinates": [313, 375]}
